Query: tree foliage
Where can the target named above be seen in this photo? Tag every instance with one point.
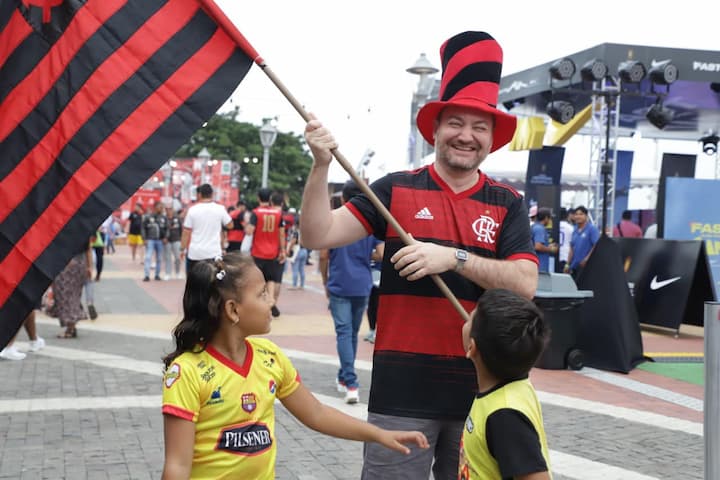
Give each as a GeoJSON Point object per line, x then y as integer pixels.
{"type": "Point", "coordinates": [226, 138]}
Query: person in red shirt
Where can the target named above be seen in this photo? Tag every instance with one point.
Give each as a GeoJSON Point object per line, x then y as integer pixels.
{"type": "Point", "coordinates": [236, 233]}
{"type": "Point", "coordinates": [268, 248]}
{"type": "Point", "coordinates": [626, 227]}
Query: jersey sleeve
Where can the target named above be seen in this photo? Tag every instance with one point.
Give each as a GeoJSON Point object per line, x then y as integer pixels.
{"type": "Point", "coordinates": [514, 443]}
{"type": "Point", "coordinates": [515, 241]}
{"type": "Point", "coordinates": [181, 393]}
{"type": "Point", "coordinates": [366, 212]}
{"type": "Point", "coordinates": [290, 380]}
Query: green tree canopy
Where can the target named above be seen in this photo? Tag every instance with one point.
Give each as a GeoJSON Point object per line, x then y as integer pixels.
{"type": "Point", "coordinates": [226, 138]}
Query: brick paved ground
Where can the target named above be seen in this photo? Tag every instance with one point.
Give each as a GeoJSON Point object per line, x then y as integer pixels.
{"type": "Point", "coordinates": [89, 407]}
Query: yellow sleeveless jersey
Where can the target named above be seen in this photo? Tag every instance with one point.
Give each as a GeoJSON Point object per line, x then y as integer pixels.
{"type": "Point", "coordinates": [504, 435]}
{"type": "Point", "coordinates": [232, 406]}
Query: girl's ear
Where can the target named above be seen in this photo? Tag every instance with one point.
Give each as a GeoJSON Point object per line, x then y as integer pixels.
{"type": "Point", "coordinates": [232, 310]}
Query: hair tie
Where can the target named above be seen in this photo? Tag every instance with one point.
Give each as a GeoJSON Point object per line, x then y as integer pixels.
{"type": "Point", "coordinates": [220, 275]}
{"type": "Point", "coordinates": [218, 258]}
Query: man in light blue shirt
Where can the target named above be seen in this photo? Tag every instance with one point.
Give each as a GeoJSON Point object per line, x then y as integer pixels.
{"type": "Point", "coordinates": [583, 241]}
{"type": "Point", "coordinates": [541, 240]}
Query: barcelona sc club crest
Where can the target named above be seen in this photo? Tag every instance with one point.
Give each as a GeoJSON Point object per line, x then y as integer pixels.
{"type": "Point", "coordinates": [249, 403]}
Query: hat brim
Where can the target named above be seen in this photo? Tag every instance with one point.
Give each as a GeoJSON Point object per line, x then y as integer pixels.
{"type": "Point", "coordinates": [503, 131]}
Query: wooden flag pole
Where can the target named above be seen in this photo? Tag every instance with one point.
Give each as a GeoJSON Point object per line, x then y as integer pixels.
{"type": "Point", "coordinates": [219, 16]}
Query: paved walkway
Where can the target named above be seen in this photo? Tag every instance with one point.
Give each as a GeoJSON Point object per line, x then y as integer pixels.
{"type": "Point", "coordinates": [90, 407]}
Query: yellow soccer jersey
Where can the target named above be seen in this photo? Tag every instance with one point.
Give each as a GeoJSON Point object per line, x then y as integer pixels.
{"type": "Point", "coordinates": [232, 406]}
{"type": "Point", "coordinates": [504, 435]}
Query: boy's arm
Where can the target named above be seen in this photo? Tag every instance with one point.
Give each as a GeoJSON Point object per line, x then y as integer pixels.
{"type": "Point", "coordinates": [306, 408]}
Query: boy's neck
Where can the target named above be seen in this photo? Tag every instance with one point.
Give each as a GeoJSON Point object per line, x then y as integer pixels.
{"type": "Point", "coordinates": [486, 381]}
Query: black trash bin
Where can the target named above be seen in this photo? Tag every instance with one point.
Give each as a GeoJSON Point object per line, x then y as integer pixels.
{"type": "Point", "coordinates": [559, 299]}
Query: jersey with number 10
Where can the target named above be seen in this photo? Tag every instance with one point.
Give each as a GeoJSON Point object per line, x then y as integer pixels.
{"type": "Point", "coordinates": [266, 239]}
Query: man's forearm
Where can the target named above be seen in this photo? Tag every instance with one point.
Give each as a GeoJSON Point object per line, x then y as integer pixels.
{"type": "Point", "coordinates": [520, 276]}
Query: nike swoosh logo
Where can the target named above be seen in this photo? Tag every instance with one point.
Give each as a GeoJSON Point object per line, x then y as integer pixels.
{"type": "Point", "coordinates": [654, 63]}
{"type": "Point", "coordinates": [655, 285]}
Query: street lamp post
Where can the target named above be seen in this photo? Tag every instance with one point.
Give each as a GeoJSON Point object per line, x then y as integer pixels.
{"type": "Point", "coordinates": [268, 134]}
{"type": "Point", "coordinates": [171, 182]}
{"type": "Point", "coordinates": [424, 69]}
{"type": "Point", "coordinates": [204, 157]}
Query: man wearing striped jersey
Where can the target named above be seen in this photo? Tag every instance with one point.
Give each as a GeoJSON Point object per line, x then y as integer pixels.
{"type": "Point", "coordinates": [466, 227]}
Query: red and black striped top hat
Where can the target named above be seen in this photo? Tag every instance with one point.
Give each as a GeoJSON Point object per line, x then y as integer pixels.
{"type": "Point", "coordinates": [471, 70]}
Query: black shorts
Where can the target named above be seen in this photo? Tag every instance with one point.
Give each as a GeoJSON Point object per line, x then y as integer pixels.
{"type": "Point", "coordinates": [271, 269]}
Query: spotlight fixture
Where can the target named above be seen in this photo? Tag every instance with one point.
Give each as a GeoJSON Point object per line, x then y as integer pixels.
{"type": "Point", "coordinates": [594, 70]}
{"type": "Point", "coordinates": [710, 143]}
{"type": "Point", "coordinates": [562, 69]}
{"type": "Point", "coordinates": [663, 73]}
{"type": "Point", "coordinates": [631, 71]}
{"type": "Point", "coordinates": [561, 111]}
{"type": "Point", "coordinates": [659, 116]}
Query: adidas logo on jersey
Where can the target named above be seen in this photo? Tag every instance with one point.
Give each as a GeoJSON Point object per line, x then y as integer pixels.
{"type": "Point", "coordinates": [424, 214]}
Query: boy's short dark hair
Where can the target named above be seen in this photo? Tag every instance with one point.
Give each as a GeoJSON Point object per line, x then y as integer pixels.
{"type": "Point", "coordinates": [580, 209]}
{"type": "Point", "coordinates": [509, 332]}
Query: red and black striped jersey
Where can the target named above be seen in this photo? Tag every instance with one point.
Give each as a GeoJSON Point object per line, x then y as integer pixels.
{"type": "Point", "coordinates": [419, 368]}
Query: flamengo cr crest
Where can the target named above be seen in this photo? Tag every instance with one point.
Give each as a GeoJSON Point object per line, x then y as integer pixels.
{"type": "Point", "coordinates": [485, 228]}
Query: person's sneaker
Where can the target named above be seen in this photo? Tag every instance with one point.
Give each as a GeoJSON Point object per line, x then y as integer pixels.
{"type": "Point", "coordinates": [370, 337]}
{"type": "Point", "coordinates": [146, 279]}
{"type": "Point", "coordinates": [340, 386]}
{"type": "Point", "coordinates": [275, 312]}
{"type": "Point", "coordinates": [157, 277]}
{"type": "Point", "coordinates": [166, 277]}
{"type": "Point", "coordinates": [352, 395]}
{"type": "Point", "coordinates": [11, 353]}
{"type": "Point", "coordinates": [92, 312]}
{"type": "Point", "coordinates": [37, 344]}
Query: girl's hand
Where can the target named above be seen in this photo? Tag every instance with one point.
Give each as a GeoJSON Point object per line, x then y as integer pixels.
{"type": "Point", "coordinates": [396, 440]}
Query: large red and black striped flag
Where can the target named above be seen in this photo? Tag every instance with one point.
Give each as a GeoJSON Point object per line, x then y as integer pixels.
{"type": "Point", "coordinates": [95, 95]}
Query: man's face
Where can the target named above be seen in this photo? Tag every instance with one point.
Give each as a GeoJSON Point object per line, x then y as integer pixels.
{"type": "Point", "coordinates": [580, 217]}
{"type": "Point", "coordinates": [463, 138]}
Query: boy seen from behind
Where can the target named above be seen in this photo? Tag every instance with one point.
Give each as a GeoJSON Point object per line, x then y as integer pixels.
{"type": "Point", "coordinates": [504, 436]}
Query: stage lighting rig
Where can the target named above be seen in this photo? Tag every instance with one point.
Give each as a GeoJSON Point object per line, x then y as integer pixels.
{"type": "Point", "coordinates": [561, 111]}
{"type": "Point", "coordinates": [562, 69]}
{"type": "Point", "coordinates": [631, 71]}
{"type": "Point", "coordinates": [594, 70]}
{"type": "Point", "coordinates": [663, 73]}
{"type": "Point", "coordinates": [659, 116]}
{"type": "Point", "coordinates": [710, 143]}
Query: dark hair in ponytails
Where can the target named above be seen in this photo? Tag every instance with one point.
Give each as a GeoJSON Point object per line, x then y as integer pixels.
{"type": "Point", "coordinates": [209, 284]}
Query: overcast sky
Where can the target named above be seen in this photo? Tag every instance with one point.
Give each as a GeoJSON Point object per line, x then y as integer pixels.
{"type": "Point", "coordinates": [346, 61]}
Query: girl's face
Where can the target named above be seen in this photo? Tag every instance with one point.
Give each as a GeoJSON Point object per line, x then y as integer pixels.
{"type": "Point", "coordinates": [254, 307]}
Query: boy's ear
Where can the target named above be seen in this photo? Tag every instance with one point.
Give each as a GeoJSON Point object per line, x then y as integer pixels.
{"type": "Point", "coordinates": [471, 349]}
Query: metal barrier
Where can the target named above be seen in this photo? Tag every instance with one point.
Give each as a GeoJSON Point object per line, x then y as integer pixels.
{"type": "Point", "coordinates": [711, 427]}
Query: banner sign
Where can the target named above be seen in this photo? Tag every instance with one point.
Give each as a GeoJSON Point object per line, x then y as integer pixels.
{"type": "Point", "coordinates": [692, 213]}
{"type": "Point", "coordinates": [673, 165]}
{"type": "Point", "coordinates": [669, 278]}
{"type": "Point", "coordinates": [542, 183]}
{"type": "Point", "coordinates": [623, 167]}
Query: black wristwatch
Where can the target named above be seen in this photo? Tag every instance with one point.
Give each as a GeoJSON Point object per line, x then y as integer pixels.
{"type": "Point", "coordinates": [461, 257]}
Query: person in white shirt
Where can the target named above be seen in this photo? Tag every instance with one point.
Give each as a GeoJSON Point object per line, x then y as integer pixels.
{"type": "Point", "coordinates": [565, 233]}
{"type": "Point", "coordinates": [202, 229]}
